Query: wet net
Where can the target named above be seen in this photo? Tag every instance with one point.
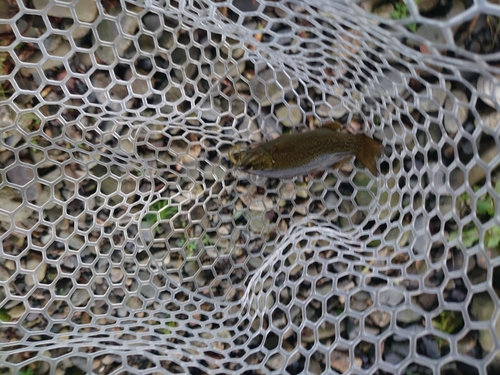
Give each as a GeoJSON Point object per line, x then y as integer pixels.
{"type": "Point", "coordinates": [130, 244]}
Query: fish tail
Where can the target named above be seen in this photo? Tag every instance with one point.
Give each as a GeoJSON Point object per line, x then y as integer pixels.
{"type": "Point", "coordinates": [368, 153]}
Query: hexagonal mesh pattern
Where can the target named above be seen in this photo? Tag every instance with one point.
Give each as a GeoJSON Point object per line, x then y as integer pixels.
{"type": "Point", "coordinates": [130, 244]}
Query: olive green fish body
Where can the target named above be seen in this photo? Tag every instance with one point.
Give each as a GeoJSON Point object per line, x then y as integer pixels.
{"type": "Point", "coordinates": [304, 153]}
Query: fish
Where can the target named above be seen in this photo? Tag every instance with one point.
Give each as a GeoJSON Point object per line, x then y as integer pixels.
{"type": "Point", "coordinates": [300, 154]}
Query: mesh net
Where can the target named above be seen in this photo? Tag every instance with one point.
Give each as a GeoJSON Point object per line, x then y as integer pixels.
{"type": "Point", "coordinates": [130, 244]}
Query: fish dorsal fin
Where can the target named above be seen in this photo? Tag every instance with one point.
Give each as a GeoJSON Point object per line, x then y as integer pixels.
{"type": "Point", "coordinates": [333, 126]}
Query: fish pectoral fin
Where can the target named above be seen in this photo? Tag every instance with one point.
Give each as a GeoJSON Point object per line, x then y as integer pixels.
{"type": "Point", "coordinates": [341, 162]}
{"type": "Point", "coordinates": [334, 126]}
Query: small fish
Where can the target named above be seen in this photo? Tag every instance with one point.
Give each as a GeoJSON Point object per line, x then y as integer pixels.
{"type": "Point", "coordinates": [300, 154]}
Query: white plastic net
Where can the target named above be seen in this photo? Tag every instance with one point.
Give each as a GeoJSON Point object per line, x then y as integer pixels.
{"type": "Point", "coordinates": [129, 244]}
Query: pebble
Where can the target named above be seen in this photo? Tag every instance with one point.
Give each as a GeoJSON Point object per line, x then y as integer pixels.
{"type": "Point", "coordinates": [428, 346]}
{"type": "Point", "coordinates": [86, 10]}
{"type": "Point", "coordinates": [392, 134]}
{"type": "Point", "coordinates": [223, 68]}
{"type": "Point", "coordinates": [485, 85]}
{"type": "Point", "coordinates": [467, 344]}
{"type": "Point", "coordinates": [454, 121]}
{"type": "Point", "coordinates": [340, 361]}
{"type": "Point", "coordinates": [269, 87]}
{"type": "Point", "coordinates": [482, 309]}
{"type": "Point", "coordinates": [152, 22]}
{"type": "Point", "coordinates": [257, 203]}
{"type": "Point", "coordinates": [214, 172]}
{"type": "Point", "coordinates": [427, 301]}
{"type": "Point", "coordinates": [432, 34]}
{"type": "Point", "coordinates": [80, 297]}
{"type": "Point", "coordinates": [491, 119]}
{"type": "Point", "coordinates": [425, 6]}
{"type": "Point", "coordinates": [476, 173]}
{"type": "Point", "coordinates": [35, 262]}
{"type": "Point", "coordinates": [380, 318]}
{"type": "Point", "coordinates": [391, 298]}
{"type": "Point", "coordinates": [10, 202]}
{"type": "Point", "coordinates": [277, 361]}
{"type": "Point", "coordinates": [63, 49]}
{"type": "Point", "coordinates": [108, 91]}
{"type": "Point", "coordinates": [389, 200]}
{"type": "Point", "coordinates": [409, 316]}
{"type": "Point", "coordinates": [134, 303]}
{"type": "Point", "coordinates": [289, 115]}
{"type": "Point", "coordinates": [107, 31]}
{"type": "Point", "coordinates": [436, 35]}
{"type": "Point", "coordinates": [17, 311]}
{"type": "Point", "coordinates": [210, 112]}
{"type": "Point", "coordinates": [20, 176]}
{"type": "Point", "coordinates": [243, 218]}
{"type": "Point", "coordinates": [287, 191]}
{"type": "Point", "coordinates": [380, 9]}
{"type": "Point", "coordinates": [166, 40]}
{"type": "Point", "coordinates": [419, 235]}
{"type": "Point", "coordinates": [7, 118]}
{"type": "Point", "coordinates": [127, 146]}
{"type": "Point", "coordinates": [331, 201]}
{"type": "Point", "coordinates": [232, 47]}
{"type": "Point", "coordinates": [398, 348]}
{"type": "Point", "coordinates": [77, 32]}
{"type": "Point", "coordinates": [437, 98]}
{"type": "Point", "coordinates": [352, 328]}
{"type": "Point", "coordinates": [333, 108]}
{"type": "Point", "coordinates": [392, 83]}
{"type": "Point", "coordinates": [364, 197]}
{"type": "Point", "coordinates": [256, 221]}
{"type": "Point", "coordinates": [51, 43]}
{"type": "Point", "coordinates": [116, 275]}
